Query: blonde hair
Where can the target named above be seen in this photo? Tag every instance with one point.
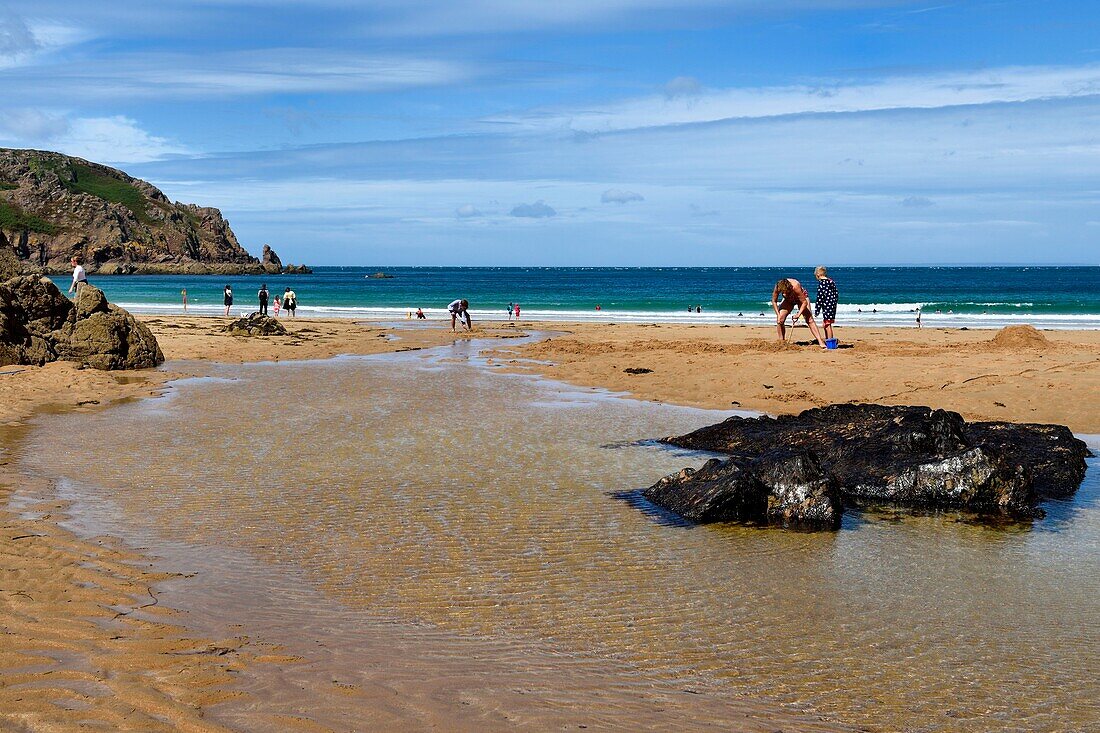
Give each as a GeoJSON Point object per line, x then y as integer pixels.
{"type": "Point", "coordinates": [821, 270]}
{"type": "Point", "coordinates": [783, 286]}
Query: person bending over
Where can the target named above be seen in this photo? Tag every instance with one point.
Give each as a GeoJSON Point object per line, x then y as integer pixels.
{"type": "Point", "coordinates": [796, 302]}
{"type": "Point", "coordinates": [460, 311]}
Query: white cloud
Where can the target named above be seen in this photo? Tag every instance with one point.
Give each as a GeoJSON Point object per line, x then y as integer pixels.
{"type": "Point", "coordinates": [467, 211]}
{"type": "Point", "coordinates": [929, 91]}
{"type": "Point", "coordinates": [618, 196]}
{"type": "Point", "coordinates": [20, 125]}
{"type": "Point", "coordinates": [266, 71]}
{"type": "Point", "coordinates": [537, 210]}
{"type": "Point", "coordinates": [17, 42]}
{"type": "Point", "coordinates": [683, 86]}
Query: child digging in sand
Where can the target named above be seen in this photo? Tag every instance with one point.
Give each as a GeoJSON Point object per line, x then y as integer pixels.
{"type": "Point", "coordinates": [796, 302]}
{"type": "Point", "coordinates": [825, 302]}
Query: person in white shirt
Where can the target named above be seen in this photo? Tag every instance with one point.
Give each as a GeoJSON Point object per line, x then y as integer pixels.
{"type": "Point", "coordinates": [460, 310]}
{"type": "Point", "coordinates": [80, 278]}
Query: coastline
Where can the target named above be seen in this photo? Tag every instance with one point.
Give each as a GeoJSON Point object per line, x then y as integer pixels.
{"type": "Point", "coordinates": [692, 365]}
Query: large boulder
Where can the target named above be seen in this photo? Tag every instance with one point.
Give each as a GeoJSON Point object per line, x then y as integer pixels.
{"type": "Point", "coordinates": [912, 456]}
{"type": "Point", "coordinates": [786, 489]}
{"type": "Point", "coordinates": [111, 339]}
{"type": "Point", "coordinates": [38, 324]}
{"type": "Point", "coordinates": [720, 491]}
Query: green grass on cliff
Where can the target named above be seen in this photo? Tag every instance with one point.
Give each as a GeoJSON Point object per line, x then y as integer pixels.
{"type": "Point", "coordinates": [90, 181]}
{"type": "Point", "coordinates": [13, 218]}
{"type": "Point", "coordinates": [5, 186]}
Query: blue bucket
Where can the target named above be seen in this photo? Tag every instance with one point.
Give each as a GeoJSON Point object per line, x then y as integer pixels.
{"type": "Point", "coordinates": [831, 343]}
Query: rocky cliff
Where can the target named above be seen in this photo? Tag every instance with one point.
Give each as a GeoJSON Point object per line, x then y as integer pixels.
{"type": "Point", "coordinates": [54, 207]}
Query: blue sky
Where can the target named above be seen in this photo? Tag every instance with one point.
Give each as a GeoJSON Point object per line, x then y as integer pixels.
{"type": "Point", "coordinates": [580, 132]}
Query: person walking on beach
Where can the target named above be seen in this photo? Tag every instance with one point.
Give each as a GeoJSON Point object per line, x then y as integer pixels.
{"type": "Point", "coordinates": [290, 301]}
{"type": "Point", "coordinates": [796, 302]}
{"type": "Point", "coordinates": [825, 302]}
{"type": "Point", "coordinates": [227, 298]}
{"type": "Point", "coordinates": [511, 307]}
{"type": "Point", "coordinates": [184, 294]}
{"type": "Point", "coordinates": [517, 311]}
{"type": "Point", "coordinates": [460, 311]}
{"type": "Point", "coordinates": [420, 315]}
{"type": "Point", "coordinates": [277, 305]}
{"type": "Point", "coordinates": [918, 316]}
{"type": "Point", "coordinates": [80, 278]}
{"type": "Point", "coordinates": [262, 294]}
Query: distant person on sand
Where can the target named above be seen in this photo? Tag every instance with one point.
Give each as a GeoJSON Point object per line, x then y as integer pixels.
{"type": "Point", "coordinates": [918, 317]}
{"type": "Point", "coordinates": [517, 311]}
{"type": "Point", "coordinates": [796, 302]}
{"type": "Point", "coordinates": [262, 294]}
{"type": "Point", "coordinates": [184, 294]}
{"type": "Point", "coordinates": [80, 278]}
{"type": "Point", "coordinates": [277, 305]}
{"type": "Point", "coordinates": [825, 302]}
{"type": "Point", "coordinates": [227, 298]}
{"type": "Point", "coordinates": [290, 301]}
{"type": "Point", "coordinates": [420, 315]}
{"type": "Point", "coordinates": [460, 311]}
{"type": "Point", "coordinates": [511, 308]}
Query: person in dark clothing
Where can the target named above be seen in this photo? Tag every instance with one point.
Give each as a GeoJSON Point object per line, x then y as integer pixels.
{"type": "Point", "coordinates": [262, 295]}
{"type": "Point", "coordinates": [227, 298]}
{"type": "Point", "coordinates": [825, 303]}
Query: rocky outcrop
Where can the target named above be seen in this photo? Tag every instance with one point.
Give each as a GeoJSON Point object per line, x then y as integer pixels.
{"type": "Point", "coordinates": [54, 207]}
{"type": "Point", "coordinates": [38, 324]}
{"type": "Point", "coordinates": [270, 260]}
{"type": "Point", "coordinates": [256, 325]}
{"type": "Point", "coordinates": [911, 456]}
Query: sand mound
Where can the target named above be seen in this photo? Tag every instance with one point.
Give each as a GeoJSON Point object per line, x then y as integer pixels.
{"type": "Point", "coordinates": [768, 346]}
{"type": "Point", "coordinates": [1019, 337]}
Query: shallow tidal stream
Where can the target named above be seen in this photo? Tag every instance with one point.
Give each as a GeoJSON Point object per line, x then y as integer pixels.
{"type": "Point", "coordinates": [426, 489]}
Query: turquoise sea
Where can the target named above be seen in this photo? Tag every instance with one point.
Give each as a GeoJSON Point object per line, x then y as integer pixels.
{"type": "Point", "coordinates": [1047, 297]}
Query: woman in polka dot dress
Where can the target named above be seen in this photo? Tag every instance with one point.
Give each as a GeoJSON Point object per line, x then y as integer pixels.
{"type": "Point", "coordinates": [825, 303]}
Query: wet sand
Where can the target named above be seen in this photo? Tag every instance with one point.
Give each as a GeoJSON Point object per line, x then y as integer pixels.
{"type": "Point", "coordinates": [746, 367]}
{"type": "Point", "coordinates": [136, 656]}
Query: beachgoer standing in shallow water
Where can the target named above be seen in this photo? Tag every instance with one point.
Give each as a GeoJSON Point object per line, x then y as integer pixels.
{"type": "Point", "coordinates": [918, 317]}
{"type": "Point", "coordinates": [184, 294]}
{"type": "Point", "coordinates": [460, 311]}
{"type": "Point", "coordinates": [511, 307]}
{"type": "Point", "coordinates": [825, 303]}
{"type": "Point", "coordinates": [277, 305]}
{"type": "Point", "coordinates": [420, 315]}
{"type": "Point", "coordinates": [80, 277]}
{"type": "Point", "coordinates": [262, 294]}
{"type": "Point", "coordinates": [517, 311]}
{"type": "Point", "coordinates": [290, 301]}
{"type": "Point", "coordinates": [227, 298]}
{"type": "Point", "coordinates": [796, 302]}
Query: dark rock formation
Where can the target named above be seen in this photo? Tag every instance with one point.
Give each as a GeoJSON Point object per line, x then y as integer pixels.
{"type": "Point", "coordinates": [297, 270]}
{"type": "Point", "coordinates": [270, 260]}
{"type": "Point", "coordinates": [913, 456]}
{"type": "Point", "coordinates": [256, 325]}
{"type": "Point", "coordinates": [720, 491]}
{"type": "Point", "coordinates": [38, 324]}
{"type": "Point", "coordinates": [784, 488]}
{"type": "Point", "coordinates": [380, 276]}
{"type": "Point", "coordinates": [54, 207]}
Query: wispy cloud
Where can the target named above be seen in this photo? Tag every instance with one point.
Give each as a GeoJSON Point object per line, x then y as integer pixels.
{"type": "Point", "coordinates": [927, 91]}
{"type": "Point", "coordinates": [230, 73]}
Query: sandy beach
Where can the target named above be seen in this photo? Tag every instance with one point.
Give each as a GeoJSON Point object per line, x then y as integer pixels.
{"type": "Point", "coordinates": [86, 642]}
